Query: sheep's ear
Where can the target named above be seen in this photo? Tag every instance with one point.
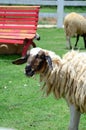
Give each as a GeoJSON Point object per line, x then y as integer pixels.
{"type": "Point", "coordinates": [20, 61]}
{"type": "Point", "coordinates": [49, 61]}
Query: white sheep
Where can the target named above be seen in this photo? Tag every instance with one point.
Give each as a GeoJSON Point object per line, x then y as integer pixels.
{"type": "Point", "coordinates": [65, 77]}
{"type": "Point", "coordinates": [74, 25]}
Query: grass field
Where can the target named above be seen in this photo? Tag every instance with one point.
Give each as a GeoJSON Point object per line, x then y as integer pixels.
{"type": "Point", "coordinates": [53, 9]}
{"type": "Point", "coordinates": [22, 104]}
{"type": "Point", "coordinates": [79, 9]}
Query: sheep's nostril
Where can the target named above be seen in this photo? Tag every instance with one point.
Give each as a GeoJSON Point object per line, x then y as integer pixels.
{"type": "Point", "coordinates": [27, 68]}
{"type": "Point", "coordinates": [29, 71]}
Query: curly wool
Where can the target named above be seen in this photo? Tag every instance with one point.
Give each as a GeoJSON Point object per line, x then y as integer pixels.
{"type": "Point", "coordinates": [67, 79]}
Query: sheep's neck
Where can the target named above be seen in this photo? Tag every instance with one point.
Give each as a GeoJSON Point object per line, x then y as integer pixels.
{"type": "Point", "coordinates": [57, 80]}
{"type": "Point", "coordinates": [51, 79]}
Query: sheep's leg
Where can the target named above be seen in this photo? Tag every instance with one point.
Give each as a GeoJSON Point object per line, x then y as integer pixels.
{"type": "Point", "coordinates": [77, 39]}
{"type": "Point", "coordinates": [68, 42]}
{"type": "Point", "coordinates": [74, 118]}
{"type": "Point", "coordinates": [84, 38]}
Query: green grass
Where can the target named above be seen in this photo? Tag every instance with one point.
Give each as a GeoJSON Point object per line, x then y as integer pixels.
{"type": "Point", "coordinates": [22, 105]}
{"type": "Point", "coordinates": [50, 9]}
{"type": "Point", "coordinates": [53, 9]}
{"type": "Point", "coordinates": [78, 9]}
{"type": "Point", "coordinates": [67, 9]}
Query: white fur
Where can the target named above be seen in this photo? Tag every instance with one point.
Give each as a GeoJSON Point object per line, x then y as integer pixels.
{"type": "Point", "coordinates": [35, 51]}
{"type": "Point", "coordinates": [66, 79]}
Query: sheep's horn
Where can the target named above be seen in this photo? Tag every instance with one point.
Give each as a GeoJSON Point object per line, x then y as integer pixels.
{"type": "Point", "coordinates": [49, 60]}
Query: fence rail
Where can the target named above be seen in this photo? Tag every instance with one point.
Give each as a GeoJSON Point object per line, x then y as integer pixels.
{"type": "Point", "coordinates": [60, 4]}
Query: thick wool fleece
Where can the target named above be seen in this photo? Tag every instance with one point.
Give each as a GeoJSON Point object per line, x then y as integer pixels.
{"type": "Point", "coordinates": [67, 79]}
{"type": "Point", "coordinates": [74, 24]}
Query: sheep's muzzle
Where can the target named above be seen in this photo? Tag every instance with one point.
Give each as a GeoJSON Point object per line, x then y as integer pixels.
{"type": "Point", "coordinates": [29, 71]}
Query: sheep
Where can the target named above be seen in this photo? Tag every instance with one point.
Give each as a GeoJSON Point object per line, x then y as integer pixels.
{"type": "Point", "coordinates": [64, 77]}
{"type": "Point", "coordinates": [74, 25]}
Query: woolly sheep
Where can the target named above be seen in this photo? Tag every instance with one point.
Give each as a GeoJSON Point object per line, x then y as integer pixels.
{"type": "Point", "coordinates": [65, 77]}
{"type": "Point", "coordinates": [75, 25]}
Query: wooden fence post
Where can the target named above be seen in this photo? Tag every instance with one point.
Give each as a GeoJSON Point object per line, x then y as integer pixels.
{"type": "Point", "coordinates": [60, 13]}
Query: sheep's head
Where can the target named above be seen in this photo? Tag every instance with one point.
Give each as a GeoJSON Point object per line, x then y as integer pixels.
{"type": "Point", "coordinates": [37, 61]}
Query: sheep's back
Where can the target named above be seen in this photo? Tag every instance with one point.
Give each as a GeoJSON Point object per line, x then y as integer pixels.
{"type": "Point", "coordinates": [74, 24]}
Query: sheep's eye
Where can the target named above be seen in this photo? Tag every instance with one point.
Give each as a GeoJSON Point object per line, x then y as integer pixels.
{"type": "Point", "coordinates": [43, 56]}
{"type": "Point", "coordinates": [40, 56]}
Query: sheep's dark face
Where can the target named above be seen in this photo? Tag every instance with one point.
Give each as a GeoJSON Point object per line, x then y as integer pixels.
{"type": "Point", "coordinates": [36, 60]}
{"type": "Point", "coordinates": [35, 63]}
